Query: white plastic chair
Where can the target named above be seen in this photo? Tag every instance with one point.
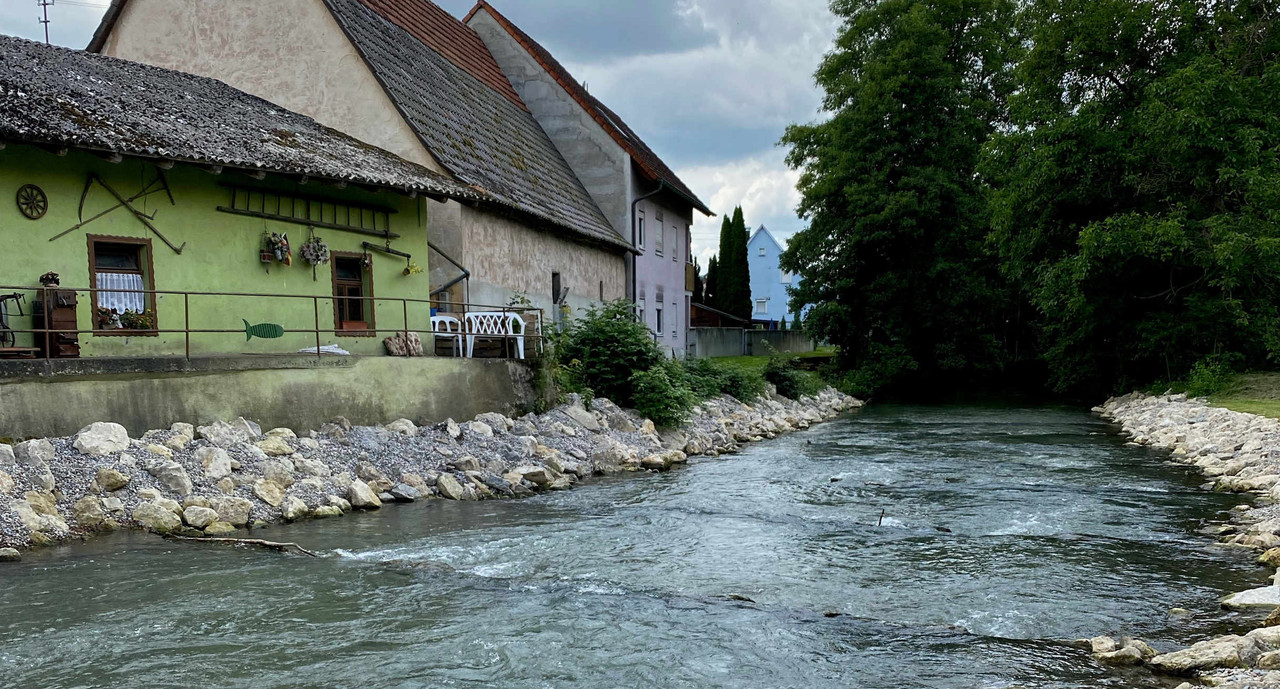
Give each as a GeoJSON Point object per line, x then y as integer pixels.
{"type": "Point", "coordinates": [481, 323]}
{"type": "Point", "coordinates": [449, 328]}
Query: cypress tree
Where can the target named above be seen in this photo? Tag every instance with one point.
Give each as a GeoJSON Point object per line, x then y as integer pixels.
{"type": "Point", "coordinates": [711, 287]}
{"type": "Point", "coordinates": [741, 298]}
{"type": "Point", "coordinates": [725, 278]}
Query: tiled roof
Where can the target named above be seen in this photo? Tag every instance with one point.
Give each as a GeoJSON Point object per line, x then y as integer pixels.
{"type": "Point", "coordinates": [478, 132]}
{"type": "Point", "coordinates": [640, 152]}
{"type": "Point", "coordinates": [443, 33]}
{"type": "Point", "coordinates": [62, 97]}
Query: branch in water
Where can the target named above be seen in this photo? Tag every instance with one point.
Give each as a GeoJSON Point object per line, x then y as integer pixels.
{"type": "Point", "coordinates": [282, 547]}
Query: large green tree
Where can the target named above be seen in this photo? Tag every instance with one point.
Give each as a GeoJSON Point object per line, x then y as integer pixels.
{"type": "Point", "coordinates": [894, 262]}
{"type": "Point", "coordinates": [1137, 199]}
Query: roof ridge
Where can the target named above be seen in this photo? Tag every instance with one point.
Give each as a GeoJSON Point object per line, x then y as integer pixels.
{"type": "Point", "coordinates": [431, 25]}
{"type": "Point", "coordinates": [608, 120]}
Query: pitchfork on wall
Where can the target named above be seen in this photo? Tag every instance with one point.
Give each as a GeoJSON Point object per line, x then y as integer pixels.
{"type": "Point", "coordinates": [159, 184]}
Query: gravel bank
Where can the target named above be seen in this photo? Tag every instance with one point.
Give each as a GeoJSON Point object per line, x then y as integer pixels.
{"type": "Point", "coordinates": [1237, 453]}
{"type": "Point", "coordinates": [229, 476]}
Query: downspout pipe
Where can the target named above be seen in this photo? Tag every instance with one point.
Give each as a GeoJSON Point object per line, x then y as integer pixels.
{"type": "Point", "coordinates": [662, 184]}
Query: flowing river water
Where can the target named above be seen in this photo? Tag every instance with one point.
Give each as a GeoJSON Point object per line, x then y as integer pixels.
{"type": "Point", "coordinates": [1006, 532]}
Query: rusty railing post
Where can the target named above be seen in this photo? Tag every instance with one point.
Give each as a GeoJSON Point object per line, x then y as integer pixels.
{"type": "Point", "coordinates": [316, 301]}
{"type": "Point", "coordinates": [186, 311]}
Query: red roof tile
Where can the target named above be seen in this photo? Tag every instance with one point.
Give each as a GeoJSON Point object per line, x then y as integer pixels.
{"type": "Point", "coordinates": [443, 33]}
{"type": "Point", "coordinates": [649, 162]}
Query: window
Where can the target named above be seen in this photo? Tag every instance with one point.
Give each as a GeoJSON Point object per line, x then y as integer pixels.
{"type": "Point", "coordinates": [657, 239]}
{"type": "Point", "coordinates": [688, 242]}
{"type": "Point", "coordinates": [602, 290]}
{"type": "Point", "coordinates": [120, 272]}
{"type": "Point", "coordinates": [555, 289]}
{"type": "Point", "coordinates": [762, 306]}
{"type": "Point", "coordinates": [762, 251]}
{"type": "Point", "coordinates": [640, 231]}
{"type": "Point", "coordinates": [675, 244]}
{"type": "Point", "coordinates": [352, 296]}
{"type": "Point", "coordinates": [657, 312]}
{"type": "Point", "coordinates": [786, 277]}
{"type": "Point", "coordinates": [640, 310]}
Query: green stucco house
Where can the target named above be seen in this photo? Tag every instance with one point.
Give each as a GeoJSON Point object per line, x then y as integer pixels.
{"type": "Point", "coordinates": [161, 201]}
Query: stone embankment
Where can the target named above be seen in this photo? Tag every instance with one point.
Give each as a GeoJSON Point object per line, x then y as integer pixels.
{"type": "Point", "coordinates": [218, 479]}
{"type": "Point", "coordinates": [1237, 453]}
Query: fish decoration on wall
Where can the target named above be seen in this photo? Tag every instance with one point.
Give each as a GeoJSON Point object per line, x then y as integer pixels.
{"type": "Point", "coordinates": [264, 331]}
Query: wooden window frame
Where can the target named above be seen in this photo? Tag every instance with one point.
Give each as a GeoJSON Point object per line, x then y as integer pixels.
{"type": "Point", "coordinates": [371, 329]}
{"type": "Point", "coordinates": [148, 285]}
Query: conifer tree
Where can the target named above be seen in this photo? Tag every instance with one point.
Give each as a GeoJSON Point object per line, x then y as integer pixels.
{"type": "Point", "coordinates": [711, 287]}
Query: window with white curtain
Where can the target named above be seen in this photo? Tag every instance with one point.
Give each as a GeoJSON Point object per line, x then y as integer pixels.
{"type": "Point", "coordinates": [119, 272]}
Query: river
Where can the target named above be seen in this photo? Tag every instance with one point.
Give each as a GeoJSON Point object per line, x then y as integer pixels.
{"type": "Point", "coordinates": [899, 547]}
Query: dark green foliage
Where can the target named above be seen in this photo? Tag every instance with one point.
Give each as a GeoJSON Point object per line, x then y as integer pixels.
{"type": "Point", "coordinates": [603, 349]}
{"type": "Point", "coordinates": [790, 381]}
{"type": "Point", "coordinates": [1137, 201]}
{"type": "Point", "coordinates": [1212, 375]}
{"type": "Point", "coordinates": [894, 261]}
{"type": "Point", "coordinates": [661, 394]}
{"type": "Point", "coordinates": [712, 287]}
{"type": "Point", "coordinates": [708, 379]}
{"type": "Point", "coordinates": [730, 287]}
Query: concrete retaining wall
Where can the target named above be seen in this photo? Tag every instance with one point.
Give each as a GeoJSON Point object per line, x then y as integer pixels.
{"type": "Point", "coordinates": [299, 393]}
{"type": "Point", "coordinates": [713, 342]}
{"type": "Point", "coordinates": [758, 342]}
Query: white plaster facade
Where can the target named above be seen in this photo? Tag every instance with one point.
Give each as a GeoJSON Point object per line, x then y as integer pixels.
{"type": "Point", "coordinates": [294, 54]}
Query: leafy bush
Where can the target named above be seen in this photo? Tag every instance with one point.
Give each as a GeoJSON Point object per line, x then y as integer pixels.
{"type": "Point", "coordinates": [708, 379]}
{"type": "Point", "coordinates": [1211, 375]}
{"type": "Point", "coordinates": [600, 352]}
{"type": "Point", "coordinates": [790, 381]}
{"type": "Point", "coordinates": [660, 398]}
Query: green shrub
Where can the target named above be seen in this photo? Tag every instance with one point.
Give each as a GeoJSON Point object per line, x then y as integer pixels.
{"type": "Point", "coordinates": [664, 401]}
{"type": "Point", "coordinates": [708, 379]}
{"type": "Point", "coordinates": [1211, 375]}
{"type": "Point", "coordinates": [784, 376]}
{"type": "Point", "coordinates": [600, 352]}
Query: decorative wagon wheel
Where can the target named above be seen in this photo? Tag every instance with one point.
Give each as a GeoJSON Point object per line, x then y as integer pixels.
{"type": "Point", "coordinates": [32, 201]}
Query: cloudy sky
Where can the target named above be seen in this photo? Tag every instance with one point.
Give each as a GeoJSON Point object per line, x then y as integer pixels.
{"type": "Point", "coordinates": [709, 84]}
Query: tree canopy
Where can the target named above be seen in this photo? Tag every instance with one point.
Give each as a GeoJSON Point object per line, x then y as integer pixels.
{"type": "Point", "coordinates": [1098, 180]}
{"type": "Point", "coordinates": [894, 258]}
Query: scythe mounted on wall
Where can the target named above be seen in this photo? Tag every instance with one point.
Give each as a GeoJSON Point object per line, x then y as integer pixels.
{"type": "Point", "coordinates": [159, 184]}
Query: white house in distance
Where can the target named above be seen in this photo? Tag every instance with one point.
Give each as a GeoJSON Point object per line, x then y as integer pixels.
{"type": "Point", "coordinates": [769, 283]}
{"type": "Point", "coordinates": [641, 196]}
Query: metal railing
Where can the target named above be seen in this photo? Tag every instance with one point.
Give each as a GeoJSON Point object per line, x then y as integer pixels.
{"type": "Point", "coordinates": [48, 335]}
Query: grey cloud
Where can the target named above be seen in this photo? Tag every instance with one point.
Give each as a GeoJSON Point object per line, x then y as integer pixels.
{"type": "Point", "coordinates": [592, 29]}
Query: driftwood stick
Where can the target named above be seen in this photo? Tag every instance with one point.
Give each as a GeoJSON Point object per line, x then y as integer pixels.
{"type": "Point", "coordinates": [282, 547]}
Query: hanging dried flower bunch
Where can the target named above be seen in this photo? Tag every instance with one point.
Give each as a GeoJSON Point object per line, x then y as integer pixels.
{"type": "Point", "coordinates": [314, 251]}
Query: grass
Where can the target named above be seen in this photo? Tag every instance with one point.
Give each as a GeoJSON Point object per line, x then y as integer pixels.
{"type": "Point", "coordinates": [1253, 393]}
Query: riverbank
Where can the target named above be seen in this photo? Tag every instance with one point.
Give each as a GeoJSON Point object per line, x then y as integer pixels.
{"type": "Point", "coordinates": [228, 477]}
{"type": "Point", "coordinates": [1240, 453]}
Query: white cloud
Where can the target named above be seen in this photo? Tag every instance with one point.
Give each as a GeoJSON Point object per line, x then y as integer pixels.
{"type": "Point", "coordinates": [762, 184]}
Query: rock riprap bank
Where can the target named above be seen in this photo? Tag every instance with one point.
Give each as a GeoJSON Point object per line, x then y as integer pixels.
{"type": "Point", "coordinates": [1238, 453]}
{"type": "Point", "coordinates": [219, 479]}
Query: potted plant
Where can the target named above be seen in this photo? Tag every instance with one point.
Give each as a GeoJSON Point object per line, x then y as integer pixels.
{"type": "Point", "coordinates": [137, 320]}
{"type": "Point", "coordinates": [108, 319]}
{"type": "Point", "coordinates": [412, 268]}
{"type": "Point", "coordinates": [50, 279]}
